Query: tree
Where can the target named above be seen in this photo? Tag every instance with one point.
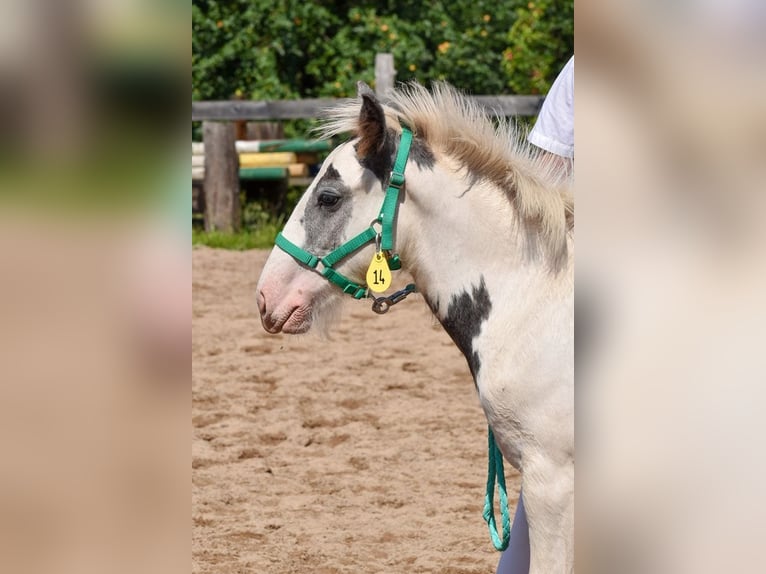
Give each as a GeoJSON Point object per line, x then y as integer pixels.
{"type": "Point", "coordinates": [280, 49]}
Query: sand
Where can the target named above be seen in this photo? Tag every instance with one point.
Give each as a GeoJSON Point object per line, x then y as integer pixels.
{"type": "Point", "coordinates": [364, 453]}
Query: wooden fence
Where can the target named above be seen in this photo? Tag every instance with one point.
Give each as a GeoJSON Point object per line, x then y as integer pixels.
{"type": "Point", "coordinates": [221, 163]}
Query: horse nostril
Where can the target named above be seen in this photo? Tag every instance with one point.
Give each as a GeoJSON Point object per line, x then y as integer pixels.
{"type": "Point", "coordinates": [261, 300]}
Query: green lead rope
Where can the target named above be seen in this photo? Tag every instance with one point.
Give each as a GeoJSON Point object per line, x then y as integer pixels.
{"type": "Point", "coordinates": [495, 471]}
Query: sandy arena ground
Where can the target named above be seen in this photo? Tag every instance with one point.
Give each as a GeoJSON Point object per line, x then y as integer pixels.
{"type": "Point", "coordinates": [365, 453]}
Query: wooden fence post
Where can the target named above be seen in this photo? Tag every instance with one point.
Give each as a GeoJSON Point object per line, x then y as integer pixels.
{"type": "Point", "coordinates": [265, 131]}
{"type": "Point", "coordinates": [223, 211]}
{"type": "Point", "coordinates": [385, 74]}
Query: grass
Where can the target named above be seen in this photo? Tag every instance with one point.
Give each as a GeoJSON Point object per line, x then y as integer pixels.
{"type": "Point", "coordinates": [261, 238]}
{"type": "Point", "coordinates": [260, 226]}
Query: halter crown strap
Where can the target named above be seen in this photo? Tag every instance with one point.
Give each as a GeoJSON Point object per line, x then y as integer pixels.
{"type": "Point", "coordinates": [385, 219]}
{"type": "Point", "coordinates": [395, 183]}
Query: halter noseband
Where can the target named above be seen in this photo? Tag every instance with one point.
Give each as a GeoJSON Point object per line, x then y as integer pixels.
{"type": "Point", "coordinates": [385, 235]}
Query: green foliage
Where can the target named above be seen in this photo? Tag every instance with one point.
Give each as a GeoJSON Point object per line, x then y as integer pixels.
{"type": "Point", "coordinates": [541, 40]}
{"type": "Point", "coordinates": [281, 49]}
{"type": "Point", "coordinates": [256, 218]}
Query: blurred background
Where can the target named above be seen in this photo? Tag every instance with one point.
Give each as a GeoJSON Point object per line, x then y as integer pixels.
{"type": "Point", "coordinates": [90, 90]}
{"type": "Point", "coordinates": [670, 178]}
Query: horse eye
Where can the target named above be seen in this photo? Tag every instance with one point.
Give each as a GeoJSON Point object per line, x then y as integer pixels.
{"type": "Point", "coordinates": [328, 199]}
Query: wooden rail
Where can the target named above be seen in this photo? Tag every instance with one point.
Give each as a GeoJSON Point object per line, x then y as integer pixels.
{"type": "Point", "coordinates": [236, 110]}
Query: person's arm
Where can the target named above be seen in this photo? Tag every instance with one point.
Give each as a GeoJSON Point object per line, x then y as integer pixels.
{"type": "Point", "coordinates": [554, 129]}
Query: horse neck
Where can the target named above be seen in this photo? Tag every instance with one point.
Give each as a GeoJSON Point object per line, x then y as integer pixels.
{"type": "Point", "coordinates": [472, 257]}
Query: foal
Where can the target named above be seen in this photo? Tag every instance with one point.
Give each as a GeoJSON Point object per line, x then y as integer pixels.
{"type": "Point", "coordinates": [486, 231]}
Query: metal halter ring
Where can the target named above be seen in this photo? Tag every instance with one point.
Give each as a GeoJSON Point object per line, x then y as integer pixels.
{"type": "Point", "coordinates": [381, 305]}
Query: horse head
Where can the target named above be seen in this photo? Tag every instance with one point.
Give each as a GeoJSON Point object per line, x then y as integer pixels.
{"type": "Point", "coordinates": [344, 199]}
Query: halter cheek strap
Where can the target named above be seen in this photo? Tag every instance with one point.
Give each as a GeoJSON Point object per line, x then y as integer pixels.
{"type": "Point", "coordinates": [386, 220]}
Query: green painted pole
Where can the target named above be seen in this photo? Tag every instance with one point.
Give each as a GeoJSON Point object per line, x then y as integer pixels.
{"type": "Point", "coordinates": [263, 173]}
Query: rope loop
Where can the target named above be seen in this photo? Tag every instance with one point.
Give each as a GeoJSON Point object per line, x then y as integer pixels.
{"type": "Point", "coordinates": [495, 471]}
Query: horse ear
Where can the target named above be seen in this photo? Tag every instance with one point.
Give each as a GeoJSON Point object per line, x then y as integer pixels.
{"type": "Point", "coordinates": [372, 123]}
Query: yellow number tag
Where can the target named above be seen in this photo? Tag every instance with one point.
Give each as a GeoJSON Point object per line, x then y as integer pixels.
{"type": "Point", "coordinates": [378, 274]}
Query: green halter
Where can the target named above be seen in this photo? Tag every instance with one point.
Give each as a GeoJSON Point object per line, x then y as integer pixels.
{"type": "Point", "coordinates": [385, 220]}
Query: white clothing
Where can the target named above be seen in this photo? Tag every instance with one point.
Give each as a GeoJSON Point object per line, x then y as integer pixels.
{"type": "Point", "coordinates": [554, 128]}
{"type": "Point", "coordinates": [515, 560]}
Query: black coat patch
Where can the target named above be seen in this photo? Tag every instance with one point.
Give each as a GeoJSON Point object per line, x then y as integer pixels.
{"type": "Point", "coordinates": [421, 154]}
{"type": "Point", "coordinates": [432, 303]}
{"type": "Point", "coordinates": [382, 163]}
{"type": "Point", "coordinates": [465, 315]}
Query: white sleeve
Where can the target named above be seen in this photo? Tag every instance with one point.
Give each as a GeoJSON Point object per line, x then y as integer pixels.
{"type": "Point", "coordinates": [554, 128]}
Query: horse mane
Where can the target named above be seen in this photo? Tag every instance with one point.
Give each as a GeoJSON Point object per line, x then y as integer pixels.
{"type": "Point", "coordinates": [498, 152]}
